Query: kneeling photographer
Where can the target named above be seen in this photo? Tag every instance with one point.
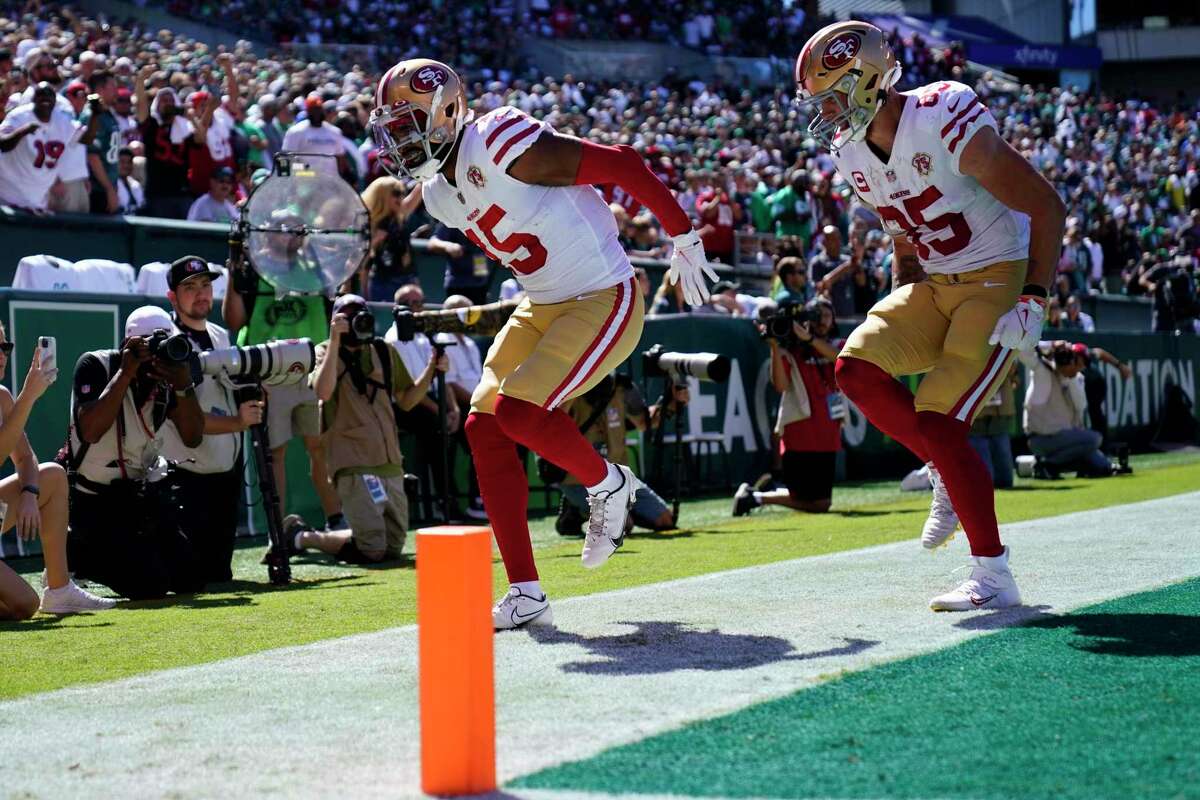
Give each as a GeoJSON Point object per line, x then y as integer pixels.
{"type": "Point", "coordinates": [604, 414]}
{"type": "Point", "coordinates": [356, 378]}
{"type": "Point", "coordinates": [811, 408]}
{"type": "Point", "coordinates": [125, 532]}
{"type": "Point", "coordinates": [1055, 405]}
{"type": "Point", "coordinates": [209, 477]}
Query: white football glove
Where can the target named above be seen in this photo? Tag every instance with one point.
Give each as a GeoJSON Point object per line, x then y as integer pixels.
{"type": "Point", "coordinates": [1021, 327]}
{"type": "Point", "coordinates": [689, 265]}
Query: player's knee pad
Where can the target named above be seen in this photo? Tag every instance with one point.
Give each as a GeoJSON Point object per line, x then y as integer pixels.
{"type": "Point", "coordinates": [940, 430]}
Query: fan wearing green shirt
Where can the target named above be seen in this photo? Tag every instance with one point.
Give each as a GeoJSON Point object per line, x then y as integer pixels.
{"type": "Point", "coordinates": [791, 208]}
{"type": "Point", "coordinates": [103, 154]}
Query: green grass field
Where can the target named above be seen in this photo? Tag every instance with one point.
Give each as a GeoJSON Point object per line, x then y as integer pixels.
{"type": "Point", "coordinates": [1101, 702]}
{"type": "Point", "coordinates": [329, 600]}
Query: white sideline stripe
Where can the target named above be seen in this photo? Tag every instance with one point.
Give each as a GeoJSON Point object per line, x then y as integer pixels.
{"type": "Point", "coordinates": [339, 717]}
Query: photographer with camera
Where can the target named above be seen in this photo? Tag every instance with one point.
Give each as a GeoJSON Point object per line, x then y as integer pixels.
{"type": "Point", "coordinates": [256, 315]}
{"type": "Point", "coordinates": [422, 419]}
{"type": "Point", "coordinates": [124, 528]}
{"type": "Point", "coordinates": [811, 408]}
{"type": "Point", "coordinates": [1055, 405]}
{"type": "Point", "coordinates": [357, 377]}
{"type": "Point", "coordinates": [209, 477]}
{"type": "Point", "coordinates": [603, 414]}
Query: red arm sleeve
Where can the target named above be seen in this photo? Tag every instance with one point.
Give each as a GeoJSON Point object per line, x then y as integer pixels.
{"type": "Point", "coordinates": [621, 165]}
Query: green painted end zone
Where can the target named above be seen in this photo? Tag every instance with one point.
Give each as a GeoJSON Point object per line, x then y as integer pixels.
{"type": "Point", "coordinates": [1100, 703]}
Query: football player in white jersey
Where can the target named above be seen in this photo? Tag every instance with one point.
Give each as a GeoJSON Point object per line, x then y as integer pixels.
{"type": "Point", "coordinates": [524, 194]}
{"type": "Point", "coordinates": [33, 140]}
{"type": "Point", "coordinates": [977, 233]}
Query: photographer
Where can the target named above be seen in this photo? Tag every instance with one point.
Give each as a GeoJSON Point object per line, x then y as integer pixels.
{"type": "Point", "coordinates": [124, 531]}
{"type": "Point", "coordinates": [256, 315]}
{"type": "Point", "coordinates": [36, 501]}
{"type": "Point", "coordinates": [356, 378]}
{"type": "Point", "coordinates": [209, 477]}
{"type": "Point", "coordinates": [603, 415]}
{"type": "Point", "coordinates": [811, 410]}
{"type": "Point", "coordinates": [1055, 404]}
{"type": "Point", "coordinates": [422, 419]}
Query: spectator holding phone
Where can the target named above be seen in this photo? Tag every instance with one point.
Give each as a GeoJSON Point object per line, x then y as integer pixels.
{"type": "Point", "coordinates": [36, 499]}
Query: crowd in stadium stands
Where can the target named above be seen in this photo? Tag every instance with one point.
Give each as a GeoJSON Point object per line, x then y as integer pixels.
{"type": "Point", "coordinates": [184, 129]}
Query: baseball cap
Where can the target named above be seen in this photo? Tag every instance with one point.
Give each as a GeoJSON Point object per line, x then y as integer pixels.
{"type": "Point", "coordinates": [76, 86]}
{"type": "Point", "coordinates": [347, 300]}
{"type": "Point", "coordinates": [314, 101]}
{"type": "Point", "coordinates": [146, 320]}
{"type": "Point", "coordinates": [188, 267]}
{"type": "Point", "coordinates": [1079, 349]}
{"type": "Point", "coordinates": [222, 173]}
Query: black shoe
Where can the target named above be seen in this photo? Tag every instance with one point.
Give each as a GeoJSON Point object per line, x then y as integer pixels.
{"type": "Point", "coordinates": [292, 524]}
{"type": "Point", "coordinates": [570, 519]}
{"type": "Point", "coordinates": [1045, 472]}
{"type": "Point", "coordinates": [744, 501]}
{"type": "Point", "coordinates": [334, 522]}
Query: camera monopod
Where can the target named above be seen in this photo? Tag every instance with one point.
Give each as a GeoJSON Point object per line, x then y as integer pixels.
{"type": "Point", "coordinates": [675, 369]}
{"type": "Point", "coordinates": [440, 342]}
{"type": "Point", "coordinates": [279, 571]}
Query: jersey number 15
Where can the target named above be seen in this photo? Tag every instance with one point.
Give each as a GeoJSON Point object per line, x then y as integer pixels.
{"type": "Point", "coordinates": [535, 257]}
{"type": "Point", "coordinates": [960, 231]}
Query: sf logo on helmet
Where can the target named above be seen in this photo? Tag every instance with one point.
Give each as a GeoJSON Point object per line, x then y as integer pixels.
{"type": "Point", "coordinates": [428, 79]}
{"type": "Point", "coordinates": [841, 50]}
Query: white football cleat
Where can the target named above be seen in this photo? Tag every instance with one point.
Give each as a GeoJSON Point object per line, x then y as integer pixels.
{"type": "Point", "coordinates": [608, 515]}
{"type": "Point", "coordinates": [943, 520]}
{"type": "Point", "coordinates": [70, 599]}
{"type": "Point", "coordinates": [516, 610]}
{"type": "Point", "coordinates": [990, 585]}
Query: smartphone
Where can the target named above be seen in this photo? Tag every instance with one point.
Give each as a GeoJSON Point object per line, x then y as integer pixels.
{"type": "Point", "coordinates": [49, 351]}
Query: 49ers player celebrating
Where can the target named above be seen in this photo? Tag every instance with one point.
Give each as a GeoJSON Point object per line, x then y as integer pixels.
{"type": "Point", "coordinates": [977, 233]}
{"type": "Point", "coordinates": [524, 195]}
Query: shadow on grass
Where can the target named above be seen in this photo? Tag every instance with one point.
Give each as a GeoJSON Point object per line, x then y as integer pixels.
{"type": "Point", "coordinates": [656, 647]}
{"type": "Point", "coordinates": [1138, 635]}
{"type": "Point", "coordinates": [1004, 618]}
{"type": "Point", "coordinates": [1041, 487]}
{"type": "Point", "coordinates": [218, 595]}
{"type": "Point", "coordinates": [43, 622]}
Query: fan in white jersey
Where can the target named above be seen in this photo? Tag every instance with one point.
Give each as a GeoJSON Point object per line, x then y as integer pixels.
{"type": "Point", "coordinates": [977, 232]}
{"type": "Point", "coordinates": [525, 195]}
{"type": "Point", "coordinates": [33, 140]}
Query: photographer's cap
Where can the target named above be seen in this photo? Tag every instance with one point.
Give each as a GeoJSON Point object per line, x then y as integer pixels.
{"type": "Point", "coordinates": [188, 267]}
{"type": "Point", "coordinates": [146, 320]}
{"type": "Point", "coordinates": [347, 300]}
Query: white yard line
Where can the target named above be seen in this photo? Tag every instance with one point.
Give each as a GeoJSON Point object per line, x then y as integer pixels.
{"type": "Point", "coordinates": [339, 717]}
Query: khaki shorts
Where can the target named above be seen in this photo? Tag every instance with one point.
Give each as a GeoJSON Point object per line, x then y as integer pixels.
{"type": "Point", "coordinates": [291, 412]}
{"type": "Point", "coordinates": [547, 354]}
{"type": "Point", "coordinates": [375, 525]}
{"type": "Point", "coordinates": [941, 326]}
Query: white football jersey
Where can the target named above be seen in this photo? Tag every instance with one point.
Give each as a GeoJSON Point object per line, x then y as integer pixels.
{"type": "Point", "coordinates": [559, 241]}
{"type": "Point", "coordinates": [28, 170]}
{"type": "Point", "coordinates": [955, 224]}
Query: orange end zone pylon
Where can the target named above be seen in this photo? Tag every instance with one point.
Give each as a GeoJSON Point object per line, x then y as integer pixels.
{"type": "Point", "coordinates": [454, 624]}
